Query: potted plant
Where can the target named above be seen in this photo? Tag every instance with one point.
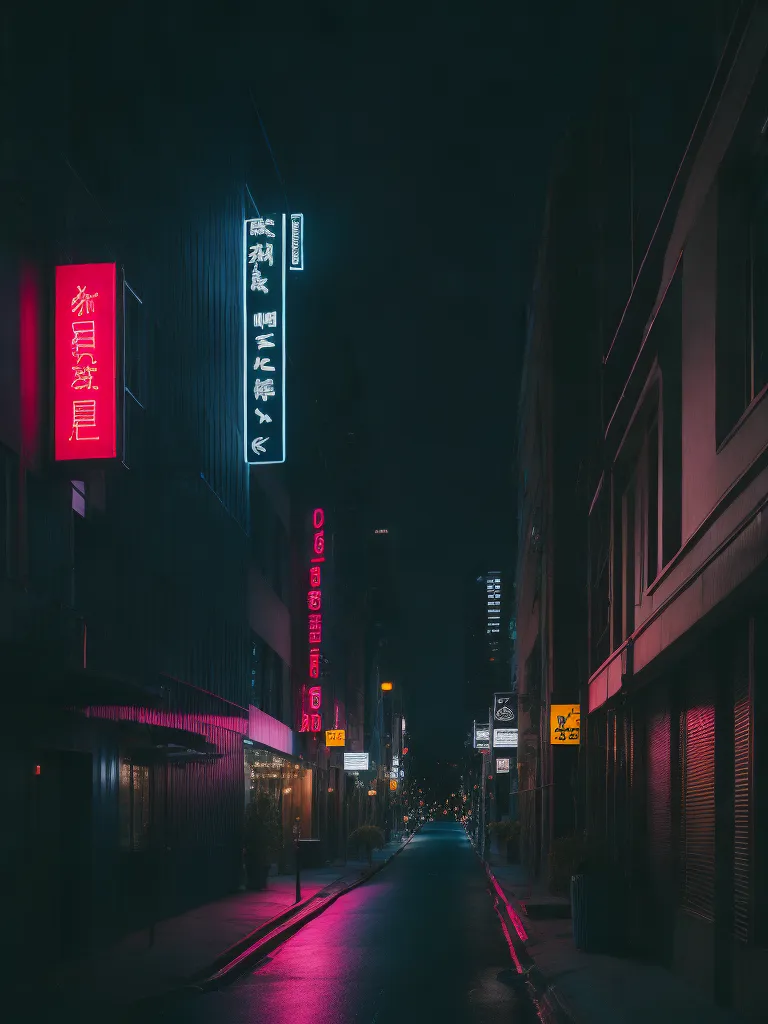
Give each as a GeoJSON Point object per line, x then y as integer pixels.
{"type": "Point", "coordinates": [262, 839]}
{"type": "Point", "coordinates": [507, 834]}
{"type": "Point", "coordinates": [367, 838]}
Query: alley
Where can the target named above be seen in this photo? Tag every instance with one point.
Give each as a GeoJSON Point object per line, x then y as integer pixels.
{"type": "Point", "coordinates": [420, 941]}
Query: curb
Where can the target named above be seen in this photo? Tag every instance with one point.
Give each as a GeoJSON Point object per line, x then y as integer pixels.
{"type": "Point", "coordinates": [230, 954]}
{"type": "Point", "coordinates": [263, 940]}
{"type": "Point", "coordinates": [549, 1004]}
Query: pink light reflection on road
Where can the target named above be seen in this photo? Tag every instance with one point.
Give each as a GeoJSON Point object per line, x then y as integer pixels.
{"type": "Point", "coordinates": [513, 915]}
{"type": "Point", "coordinates": [508, 937]}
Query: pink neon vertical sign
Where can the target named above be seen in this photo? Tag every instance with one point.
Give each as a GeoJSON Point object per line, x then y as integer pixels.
{"type": "Point", "coordinates": [312, 716]}
{"type": "Point", "coordinates": [85, 416]}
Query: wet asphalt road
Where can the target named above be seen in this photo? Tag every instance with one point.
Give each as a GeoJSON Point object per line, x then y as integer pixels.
{"type": "Point", "coordinates": [420, 942]}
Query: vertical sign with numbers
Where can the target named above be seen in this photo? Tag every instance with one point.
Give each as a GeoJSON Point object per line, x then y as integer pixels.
{"type": "Point", "coordinates": [312, 700]}
{"type": "Point", "coordinates": [85, 418]}
{"type": "Point", "coordinates": [264, 339]}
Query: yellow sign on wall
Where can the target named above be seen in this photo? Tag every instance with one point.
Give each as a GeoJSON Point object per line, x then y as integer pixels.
{"type": "Point", "coordinates": [565, 725]}
{"type": "Point", "coordinates": [335, 737]}
{"type": "Point", "coordinates": [393, 784]}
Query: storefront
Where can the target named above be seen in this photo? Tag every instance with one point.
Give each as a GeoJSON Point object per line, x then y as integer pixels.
{"type": "Point", "coordinates": [286, 781]}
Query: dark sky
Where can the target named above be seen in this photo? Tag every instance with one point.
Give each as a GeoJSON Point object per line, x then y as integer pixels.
{"type": "Point", "coordinates": [418, 145]}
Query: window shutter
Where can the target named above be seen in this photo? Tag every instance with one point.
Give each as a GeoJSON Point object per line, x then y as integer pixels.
{"type": "Point", "coordinates": [698, 791]}
{"type": "Point", "coordinates": [742, 860]}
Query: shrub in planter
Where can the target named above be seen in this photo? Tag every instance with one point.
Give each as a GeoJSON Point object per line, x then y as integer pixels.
{"type": "Point", "coordinates": [366, 839]}
{"type": "Point", "coordinates": [508, 834]}
{"type": "Point", "coordinates": [262, 839]}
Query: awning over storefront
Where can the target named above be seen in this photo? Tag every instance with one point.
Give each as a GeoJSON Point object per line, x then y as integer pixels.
{"type": "Point", "coordinates": [164, 743]}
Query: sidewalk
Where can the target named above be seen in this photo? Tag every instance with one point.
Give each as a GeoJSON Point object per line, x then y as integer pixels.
{"type": "Point", "coordinates": [590, 988]}
{"type": "Point", "coordinates": [186, 948]}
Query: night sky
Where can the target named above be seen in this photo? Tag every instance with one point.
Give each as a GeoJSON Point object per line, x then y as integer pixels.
{"type": "Point", "coordinates": [418, 147]}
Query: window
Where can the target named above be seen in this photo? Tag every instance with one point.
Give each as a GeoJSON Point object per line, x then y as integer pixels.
{"type": "Point", "coordinates": [134, 806]}
{"type": "Point", "coordinates": [599, 576]}
{"type": "Point", "coordinates": [637, 519]}
{"type": "Point", "coordinates": [741, 351]}
{"type": "Point", "coordinates": [669, 341]}
{"type": "Point", "coordinates": [78, 497]}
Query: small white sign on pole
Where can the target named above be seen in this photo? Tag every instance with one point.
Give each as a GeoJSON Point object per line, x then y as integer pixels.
{"type": "Point", "coordinates": [356, 762]}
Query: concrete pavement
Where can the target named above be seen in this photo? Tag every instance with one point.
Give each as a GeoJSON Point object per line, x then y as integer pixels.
{"type": "Point", "coordinates": [182, 950]}
{"type": "Point", "coordinates": [420, 941]}
{"type": "Point", "coordinates": [591, 988]}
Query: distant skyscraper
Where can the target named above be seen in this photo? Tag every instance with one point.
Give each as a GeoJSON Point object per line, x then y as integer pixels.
{"type": "Point", "coordinates": [487, 642]}
{"type": "Point", "coordinates": [493, 620]}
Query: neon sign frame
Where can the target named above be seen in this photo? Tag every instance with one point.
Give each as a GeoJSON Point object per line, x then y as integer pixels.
{"type": "Point", "coordinates": [264, 355]}
{"type": "Point", "coordinates": [86, 362]}
{"type": "Point", "coordinates": [312, 715]}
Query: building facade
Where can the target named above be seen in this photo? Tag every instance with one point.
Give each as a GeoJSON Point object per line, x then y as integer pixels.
{"type": "Point", "coordinates": [677, 557]}
{"type": "Point", "coordinates": [552, 500]}
{"type": "Point", "coordinates": [145, 598]}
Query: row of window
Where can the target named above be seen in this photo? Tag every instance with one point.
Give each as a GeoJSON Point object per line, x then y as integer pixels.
{"type": "Point", "coordinates": [642, 500]}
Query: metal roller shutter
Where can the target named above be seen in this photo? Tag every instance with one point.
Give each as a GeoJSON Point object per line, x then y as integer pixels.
{"type": "Point", "coordinates": [742, 861]}
{"type": "Point", "coordinates": [698, 798]}
{"type": "Point", "coordinates": [659, 798]}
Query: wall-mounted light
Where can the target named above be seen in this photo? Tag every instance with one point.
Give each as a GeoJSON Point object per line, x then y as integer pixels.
{"type": "Point", "coordinates": [387, 686]}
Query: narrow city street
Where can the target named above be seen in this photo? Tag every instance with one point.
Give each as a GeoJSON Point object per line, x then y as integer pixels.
{"type": "Point", "coordinates": [420, 941]}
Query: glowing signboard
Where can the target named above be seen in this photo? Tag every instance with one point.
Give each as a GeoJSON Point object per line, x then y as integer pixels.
{"type": "Point", "coordinates": [565, 724]}
{"type": "Point", "coordinates": [335, 737]}
{"type": "Point", "coordinates": [505, 738]}
{"type": "Point", "coordinates": [85, 415]}
{"type": "Point", "coordinates": [482, 737]}
{"type": "Point", "coordinates": [393, 784]}
{"type": "Point", "coordinates": [312, 719]}
{"type": "Point", "coordinates": [297, 241]}
{"type": "Point", "coordinates": [264, 339]}
{"type": "Point", "coordinates": [504, 708]}
{"type": "Point", "coordinates": [502, 765]}
{"type": "Point", "coordinates": [356, 762]}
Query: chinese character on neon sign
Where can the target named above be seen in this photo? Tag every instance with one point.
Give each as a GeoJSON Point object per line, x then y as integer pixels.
{"type": "Point", "coordinates": [86, 361]}
{"type": "Point", "coordinates": [311, 719]}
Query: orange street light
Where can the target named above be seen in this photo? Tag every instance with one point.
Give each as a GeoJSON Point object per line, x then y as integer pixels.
{"type": "Point", "coordinates": [387, 686]}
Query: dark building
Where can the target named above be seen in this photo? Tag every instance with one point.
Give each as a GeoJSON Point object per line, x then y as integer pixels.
{"type": "Point", "coordinates": [386, 701]}
{"type": "Point", "coordinates": [331, 475]}
{"type": "Point", "coordinates": [551, 610]}
{"type": "Point", "coordinates": [677, 556]}
{"type": "Point", "coordinates": [144, 599]}
{"type": "Point", "coordinates": [611, 177]}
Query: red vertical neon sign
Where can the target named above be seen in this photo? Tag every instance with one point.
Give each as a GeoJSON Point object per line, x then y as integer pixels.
{"type": "Point", "coordinates": [85, 419]}
{"type": "Point", "coordinates": [312, 718]}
